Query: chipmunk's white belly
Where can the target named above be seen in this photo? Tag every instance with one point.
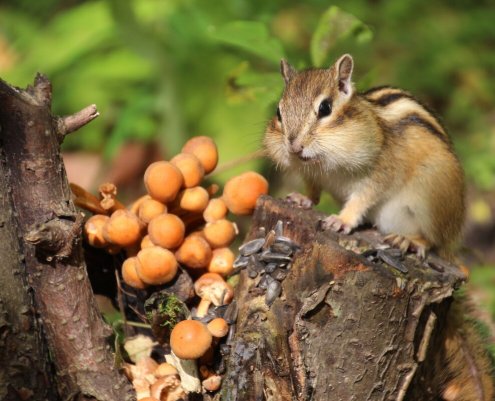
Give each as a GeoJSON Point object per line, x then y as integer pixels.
{"type": "Point", "coordinates": [401, 211]}
{"type": "Point", "coordinates": [401, 214]}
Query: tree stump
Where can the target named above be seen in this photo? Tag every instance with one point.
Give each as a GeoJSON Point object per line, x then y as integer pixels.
{"type": "Point", "coordinates": [70, 351]}
{"type": "Point", "coordinates": [347, 325]}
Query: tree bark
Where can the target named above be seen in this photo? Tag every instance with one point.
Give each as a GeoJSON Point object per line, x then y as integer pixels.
{"type": "Point", "coordinates": [347, 326]}
{"type": "Point", "coordinates": [25, 366]}
{"type": "Point", "coordinates": [49, 239]}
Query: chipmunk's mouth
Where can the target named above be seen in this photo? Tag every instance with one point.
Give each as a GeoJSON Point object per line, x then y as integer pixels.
{"type": "Point", "coordinates": [303, 155]}
{"type": "Point", "coordinates": [305, 158]}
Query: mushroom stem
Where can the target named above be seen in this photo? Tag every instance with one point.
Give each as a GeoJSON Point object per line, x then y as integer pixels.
{"type": "Point", "coordinates": [203, 307]}
{"type": "Point", "coordinates": [188, 372]}
{"type": "Point", "coordinates": [142, 388]}
{"type": "Point", "coordinates": [86, 200]}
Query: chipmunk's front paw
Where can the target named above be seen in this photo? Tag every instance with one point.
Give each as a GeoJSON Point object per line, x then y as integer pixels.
{"type": "Point", "coordinates": [335, 223]}
{"type": "Point", "coordinates": [300, 200]}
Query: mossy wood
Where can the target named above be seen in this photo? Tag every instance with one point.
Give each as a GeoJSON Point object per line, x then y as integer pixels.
{"type": "Point", "coordinates": [344, 327]}
{"type": "Point", "coordinates": [69, 352]}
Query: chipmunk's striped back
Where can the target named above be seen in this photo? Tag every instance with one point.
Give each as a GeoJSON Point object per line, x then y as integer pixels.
{"type": "Point", "coordinates": [399, 109]}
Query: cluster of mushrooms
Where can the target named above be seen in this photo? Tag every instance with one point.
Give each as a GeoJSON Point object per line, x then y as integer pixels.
{"type": "Point", "coordinates": [177, 224]}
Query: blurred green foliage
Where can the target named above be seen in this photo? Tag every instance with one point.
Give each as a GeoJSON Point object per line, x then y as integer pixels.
{"type": "Point", "coordinates": [168, 70]}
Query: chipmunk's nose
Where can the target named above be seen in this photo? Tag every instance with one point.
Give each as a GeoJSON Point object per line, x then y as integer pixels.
{"type": "Point", "coordinates": [295, 147]}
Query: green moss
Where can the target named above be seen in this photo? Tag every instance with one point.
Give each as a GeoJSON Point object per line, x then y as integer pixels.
{"type": "Point", "coordinates": [173, 310]}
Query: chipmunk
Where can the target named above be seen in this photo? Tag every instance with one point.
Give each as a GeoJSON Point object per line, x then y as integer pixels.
{"type": "Point", "coordinates": [382, 154]}
{"type": "Point", "coordinates": [390, 162]}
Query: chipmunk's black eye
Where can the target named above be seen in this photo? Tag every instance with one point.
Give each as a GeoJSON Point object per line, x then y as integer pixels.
{"type": "Point", "coordinates": [325, 108]}
{"type": "Point", "coordinates": [279, 116]}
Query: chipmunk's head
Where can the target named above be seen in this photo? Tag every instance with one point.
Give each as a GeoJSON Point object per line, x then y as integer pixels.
{"type": "Point", "coordinates": [320, 121]}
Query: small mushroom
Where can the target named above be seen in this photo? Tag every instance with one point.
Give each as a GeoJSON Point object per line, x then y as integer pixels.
{"type": "Point", "coordinates": [156, 265]}
{"type": "Point", "coordinates": [195, 252]}
{"type": "Point", "coordinates": [205, 149]}
{"type": "Point", "coordinates": [129, 273]}
{"type": "Point", "coordinates": [93, 230]}
{"type": "Point", "coordinates": [191, 168]}
{"type": "Point", "coordinates": [212, 383]}
{"type": "Point", "coordinates": [122, 229]}
{"type": "Point", "coordinates": [108, 195]}
{"type": "Point", "coordinates": [241, 192]}
{"type": "Point", "coordinates": [222, 261]}
{"type": "Point", "coordinates": [167, 388]}
{"type": "Point", "coordinates": [163, 181]}
{"type": "Point", "coordinates": [218, 327]}
{"type": "Point", "coordinates": [190, 339]}
{"type": "Point", "coordinates": [212, 288]}
{"type": "Point", "coordinates": [215, 210]}
{"type": "Point", "coordinates": [149, 209]}
{"type": "Point", "coordinates": [220, 233]}
{"type": "Point", "coordinates": [165, 369]}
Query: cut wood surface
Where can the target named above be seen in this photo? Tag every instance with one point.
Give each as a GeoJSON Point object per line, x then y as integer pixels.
{"type": "Point", "coordinates": [347, 325]}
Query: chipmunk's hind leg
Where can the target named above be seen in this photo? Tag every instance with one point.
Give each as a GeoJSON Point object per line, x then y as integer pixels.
{"type": "Point", "coordinates": [405, 243]}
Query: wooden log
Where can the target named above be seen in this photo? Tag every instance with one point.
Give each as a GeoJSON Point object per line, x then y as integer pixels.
{"type": "Point", "coordinates": [50, 243]}
{"type": "Point", "coordinates": [347, 325]}
{"type": "Point", "coordinates": [24, 357]}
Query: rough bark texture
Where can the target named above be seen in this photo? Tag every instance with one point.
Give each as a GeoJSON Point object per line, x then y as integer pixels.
{"type": "Point", "coordinates": [344, 327]}
{"type": "Point", "coordinates": [49, 236]}
{"type": "Point", "coordinates": [24, 358]}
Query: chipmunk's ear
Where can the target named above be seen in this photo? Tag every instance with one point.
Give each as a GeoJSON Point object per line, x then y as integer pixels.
{"type": "Point", "coordinates": [343, 67]}
{"type": "Point", "coordinates": [287, 70]}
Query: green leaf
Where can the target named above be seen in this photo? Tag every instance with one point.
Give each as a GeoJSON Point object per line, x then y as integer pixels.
{"type": "Point", "coordinates": [334, 26]}
{"type": "Point", "coordinates": [248, 85]}
{"type": "Point", "coordinates": [252, 36]}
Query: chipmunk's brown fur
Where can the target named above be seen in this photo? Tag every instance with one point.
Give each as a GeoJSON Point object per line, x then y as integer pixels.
{"type": "Point", "coordinates": [381, 153]}
{"type": "Point", "coordinates": [389, 161]}
{"type": "Point", "coordinates": [463, 367]}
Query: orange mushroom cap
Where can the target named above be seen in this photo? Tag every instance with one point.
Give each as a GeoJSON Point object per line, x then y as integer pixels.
{"type": "Point", "coordinates": [149, 209]}
{"type": "Point", "coordinates": [156, 265]}
{"type": "Point", "coordinates": [218, 327]}
{"type": "Point", "coordinates": [166, 230]}
{"type": "Point", "coordinates": [215, 210]}
{"type": "Point", "coordinates": [129, 273]}
{"type": "Point", "coordinates": [222, 261]}
{"type": "Point", "coordinates": [193, 199]}
{"type": "Point", "coordinates": [205, 149]}
{"type": "Point", "coordinates": [191, 168]}
{"type": "Point", "coordinates": [220, 233]}
{"type": "Point", "coordinates": [122, 229]}
{"type": "Point", "coordinates": [163, 181]}
{"type": "Point", "coordinates": [190, 339]}
{"type": "Point", "coordinates": [195, 252]}
{"type": "Point", "coordinates": [241, 192]}
{"type": "Point", "coordinates": [93, 230]}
